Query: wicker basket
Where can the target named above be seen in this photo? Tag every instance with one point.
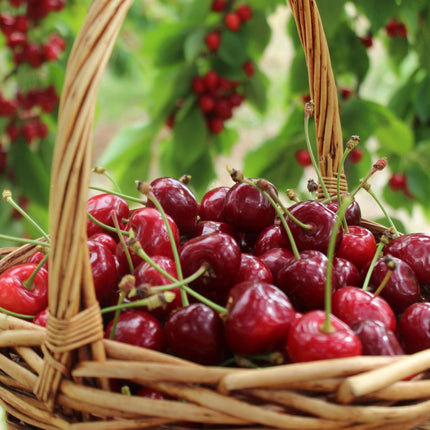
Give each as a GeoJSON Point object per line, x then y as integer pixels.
{"type": "Point", "coordinates": [57, 378]}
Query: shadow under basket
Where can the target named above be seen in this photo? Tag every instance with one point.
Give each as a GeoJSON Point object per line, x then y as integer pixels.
{"type": "Point", "coordinates": [58, 377]}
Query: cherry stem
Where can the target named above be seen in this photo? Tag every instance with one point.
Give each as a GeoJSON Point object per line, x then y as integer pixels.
{"type": "Point", "coordinates": [7, 197]}
{"type": "Point", "coordinates": [311, 153]}
{"type": "Point", "coordinates": [122, 241]}
{"type": "Point", "coordinates": [117, 314]}
{"type": "Point", "coordinates": [384, 281]}
{"type": "Point", "coordinates": [343, 205]}
{"type": "Point", "coordinates": [277, 205]}
{"type": "Point", "coordinates": [16, 315]}
{"type": "Point", "coordinates": [146, 189]}
{"type": "Point", "coordinates": [28, 283]}
{"type": "Point", "coordinates": [107, 227]}
{"type": "Point", "coordinates": [389, 219]}
{"type": "Point", "coordinates": [124, 196]}
{"type": "Point", "coordinates": [379, 249]}
{"type": "Point", "coordinates": [220, 309]}
{"type": "Point", "coordinates": [103, 171]}
{"type": "Point", "coordinates": [24, 240]}
{"type": "Point", "coordinates": [379, 165]}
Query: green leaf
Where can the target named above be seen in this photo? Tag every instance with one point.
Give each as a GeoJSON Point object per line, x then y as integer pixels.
{"type": "Point", "coordinates": [422, 101]}
{"type": "Point", "coordinates": [298, 81]}
{"type": "Point", "coordinates": [422, 40]}
{"type": "Point", "coordinates": [224, 142]}
{"type": "Point", "coordinates": [258, 33]}
{"type": "Point", "coordinates": [331, 14]}
{"type": "Point", "coordinates": [197, 14]}
{"type": "Point", "coordinates": [194, 44]}
{"type": "Point", "coordinates": [255, 90]}
{"type": "Point", "coordinates": [398, 49]}
{"type": "Point", "coordinates": [190, 138]}
{"type": "Point", "coordinates": [377, 12]}
{"type": "Point", "coordinates": [233, 48]}
{"type": "Point", "coordinates": [31, 175]}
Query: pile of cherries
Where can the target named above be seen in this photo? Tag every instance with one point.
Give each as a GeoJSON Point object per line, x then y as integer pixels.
{"type": "Point", "coordinates": [237, 277]}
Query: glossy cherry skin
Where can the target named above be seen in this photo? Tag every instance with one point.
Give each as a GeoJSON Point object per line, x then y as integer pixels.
{"type": "Point", "coordinates": [145, 274]}
{"type": "Point", "coordinates": [212, 204]}
{"type": "Point", "coordinates": [195, 333]}
{"type": "Point", "coordinates": [178, 201]}
{"type": "Point", "coordinates": [304, 280]}
{"type": "Point", "coordinates": [151, 233]}
{"type": "Point", "coordinates": [220, 251]}
{"type": "Point", "coordinates": [275, 259]}
{"type": "Point", "coordinates": [351, 304]}
{"type": "Point", "coordinates": [247, 209]}
{"type": "Point", "coordinates": [352, 214]}
{"type": "Point", "coordinates": [358, 246]}
{"type": "Point", "coordinates": [270, 237]}
{"type": "Point", "coordinates": [208, 227]}
{"type": "Point", "coordinates": [376, 338]}
{"type": "Point", "coordinates": [414, 328]}
{"type": "Point", "coordinates": [258, 318]}
{"type": "Point", "coordinates": [41, 318]}
{"type": "Point", "coordinates": [320, 218]}
{"type": "Point", "coordinates": [15, 297]}
{"type": "Point", "coordinates": [308, 342]}
{"type": "Point", "coordinates": [253, 269]}
{"type": "Point", "coordinates": [106, 240]}
{"type": "Point", "coordinates": [347, 273]}
{"type": "Point", "coordinates": [101, 207]}
{"type": "Point", "coordinates": [103, 268]}
{"type": "Point", "coordinates": [414, 249]}
{"type": "Point", "coordinates": [402, 289]}
{"type": "Point", "coordinates": [37, 257]}
{"type": "Point", "coordinates": [138, 328]}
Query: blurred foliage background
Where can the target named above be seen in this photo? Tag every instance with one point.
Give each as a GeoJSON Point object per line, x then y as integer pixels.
{"type": "Point", "coordinates": [154, 119]}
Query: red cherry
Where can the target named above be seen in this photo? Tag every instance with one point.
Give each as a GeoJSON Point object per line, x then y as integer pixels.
{"type": "Point", "coordinates": [235, 99]}
{"type": "Point", "coordinates": [198, 85]}
{"type": "Point", "coordinates": [391, 27]}
{"type": "Point", "coordinates": [218, 5]}
{"type": "Point", "coordinates": [321, 221]}
{"type": "Point", "coordinates": [397, 182]}
{"type": "Point", "coordinates": [308, 342]}
{"type": "Point", "coordinates": [414, 328]}
{"type": "Point", "coordinates": [346, 93]}
{"type": "Point", "coordinates": [102, 207]}
{"type": "Point", "coordinates": [303, 157]}
{"type": "Point", "coordinates": [414, 249]}
{"type": "Point", "coordinates": [304, 280]}
{"type": "Point", "coordinates": [352, 214]}
{"type": "Point", "coordinates": [106, 240]}
{"type": "Point", "coordinates": [220, 251]}
{"type": "Point", "coordinates": [223, 109]}
{"type": "Point", "coordinates": [247, 209]}
{"type": "Point", "coordinates": [195, 333]}
{"type": "Point", "coordinates": [258, 319]}
{"type": "Point", "coordinates": [358, 246]}
{"type": "Point", "coordinates": [367, 41]}
{"type": "Point", "coordinates": [347, 273]}
{"type": "Point", "coordinates": [351, 304]}
{"type": "Point", "coordinates": [211, 80]}
{"type": "Point", "coordinates": [376, 338]}
{"type": "Point", "coordinates": [138, 328]}
{"type": "Point", "coordinates": [208, 227]}
{"type": "Point", "coordinates": [248, 68]}
{"type": "Point", "coordinates": [232, 21]}
{"type": "Point", "coordinates": [244, 12]}
{"type": "Point", "coordinates": [206, 103]}
{"type": "Point", "coordinates": [16, 297]}
{"type": "Point", "coordinates": [215, 125]}
{"type": "Point", "coordinates": [178, 201]}
{"type": "Point", "coordinates": [41, 318]}
{"type": "Point", "coordinates": [356, 155]}
{"type": "Point", "coordinates": [253, 268]}
{"type": "Point", "coordinates": [150, 393]}
{"type": "Point", "coordinates": [270, 237]}
{"type": "Point", "coordinates": [212, 204]}
{"type": "Point", "coordinates": [213, 40]}
{"type": "Point", "coordinates": [275, 259]}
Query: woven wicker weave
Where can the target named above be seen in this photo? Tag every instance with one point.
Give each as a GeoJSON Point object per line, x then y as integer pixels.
{"type": "Point", "coordinates": [56, 378]}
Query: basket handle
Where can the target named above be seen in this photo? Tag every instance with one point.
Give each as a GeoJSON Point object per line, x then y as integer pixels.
{"type": "Point", "coordinates": [322, 89]}
{"type": "Point", "coordinates": [71, 287]}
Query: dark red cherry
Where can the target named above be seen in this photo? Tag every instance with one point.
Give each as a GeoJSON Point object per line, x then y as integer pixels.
{"type": "Point", "coordinates": [376, 338]}
{"type": "Point", "coordinates": [222, 254]}
{"type": "Point", "coordinates": [17, 297]}
{"type": "Point", "coordinates": [247, 209]}
{"type": "Point", "coordinates": [352, 214]}
{"type": "Point", "coordinates": [270, 237]}
{"type": "Point", "coordinates": [414, 248]}
{"type": "Point", "coordinates": [103, 268]}
{"type": "Point", "coordinates": [37, 257]}
{"type": "Point", "coordinates": [351, 304]}
{"type": "Point", "coordinates": [146, 275]}
{"type": "Point", "coordinates": [212, 204]}
{"type": "Point", "coordinates": [414, 328]}
{"type": "Point", "coordinates": [151, 393]}
{"type": "Point", "coordinates": [304, 280]}
{"type": "Point", "coordinates": [320, 219]}
{"type": "Point", "coordinates": [358, 246]}
{"type": "Point", "coordinates": [402, 288]}
{"type": "Point", "coordinates": [151, 233]}
{"type": "Point", "coordinates": [347, 273]}
{"type": "Point", "coordinates": [178, 201]}
{"type": "Point", "coordinates": [252, 268]}
{"type": "Point", "coordinates": [258, 319]}
{"type": "Point", "coordinates": [208, 227]}
{"type": "Point", "coordinates": [106, 240]}
{"type": "Point", "coordinates": [138, 328]}
{"type": "Point", "coordinates": [101, 207]}
{"type": "Point", "coordinates": [195, 332]}
{"type": "Point", "coordinates": [308, 342]}
{"type": "Point", "coordinates": [41, 318]}
{"type": "Point", "coordinates": [275, 259]}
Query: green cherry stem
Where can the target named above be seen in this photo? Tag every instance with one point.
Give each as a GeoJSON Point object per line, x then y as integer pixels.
{"type": "Point", "coordinates": [7, 197]}
{"type": "Point", "coordinates": [130, 234]}
{"type": "Point", "coordinates": [24, 240]}
{"type": "Point", "coordinates": [391, 267]}
{"type": "Point", "coordinates": [14, 314]}
{"type": "Point", "coordinates": [107, 227]}
{"type": "Point", "coordinates": [124, 196]}
{"type": "Point", "coordinates": [28, 283]}
{"type": "Point", "coordinates": [379, 165]}
{"type": "Point", "coordinates": [308, 114]}
{"type": "Point", "coordinates": [343, 204]}
{"type": "Point", "coordinates": [103, 171]}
